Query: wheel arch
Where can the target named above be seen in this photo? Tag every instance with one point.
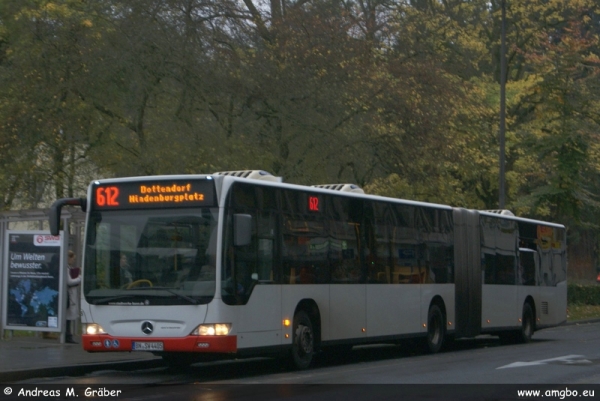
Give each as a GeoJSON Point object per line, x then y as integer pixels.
{"type": "Point", "coordinates": [312, 309]}
{"type": "Point", "coordinates": [439, 301]}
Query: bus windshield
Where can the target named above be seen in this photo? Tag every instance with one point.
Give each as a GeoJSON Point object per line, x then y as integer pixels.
{"type": "Point", "coordinates": [151, 257]}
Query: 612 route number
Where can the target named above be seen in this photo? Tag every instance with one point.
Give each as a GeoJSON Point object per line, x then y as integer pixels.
{"type": "Point", "coordinates": [107, 196]}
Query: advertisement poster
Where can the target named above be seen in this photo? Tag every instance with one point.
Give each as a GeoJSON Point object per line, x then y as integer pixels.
{"type": "Point", "coordinates": [32, 281]}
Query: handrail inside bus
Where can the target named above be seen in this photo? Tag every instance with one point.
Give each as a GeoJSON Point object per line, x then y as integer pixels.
{"type": "Point", "coordinates": [56, 207]}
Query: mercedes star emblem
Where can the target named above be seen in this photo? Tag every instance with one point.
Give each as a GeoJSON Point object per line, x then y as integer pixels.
{"type": "Point", "coordinates": [147, 328]}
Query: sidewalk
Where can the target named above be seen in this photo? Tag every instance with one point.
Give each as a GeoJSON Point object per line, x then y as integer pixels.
{"type": "Point", "coordinates": [30, 357]}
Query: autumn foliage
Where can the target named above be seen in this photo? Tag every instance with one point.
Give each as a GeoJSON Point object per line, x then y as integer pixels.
{"type": "Point", "coordinates": [401, 97]}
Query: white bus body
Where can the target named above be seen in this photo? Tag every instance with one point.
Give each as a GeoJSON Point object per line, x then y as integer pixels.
{"type": "Point", "coordinates": [260, 267]}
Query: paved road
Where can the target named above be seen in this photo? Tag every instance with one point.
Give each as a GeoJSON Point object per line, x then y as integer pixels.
{"type": "Point", "coordinates": [567, 354]}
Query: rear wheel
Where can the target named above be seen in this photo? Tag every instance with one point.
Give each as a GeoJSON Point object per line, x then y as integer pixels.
{"type": "Point", "coordinates": [436, 329]}
{"type": "Point", "coordinates": [524, 333]}
{"type": "Point", "coordinates": [303, 341]}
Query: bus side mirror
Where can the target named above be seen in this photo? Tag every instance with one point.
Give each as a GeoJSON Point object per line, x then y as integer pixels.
{"type": "Point", "coordinates": [242, 229]}
{"type": "Point", "coordinates": [54, 216]}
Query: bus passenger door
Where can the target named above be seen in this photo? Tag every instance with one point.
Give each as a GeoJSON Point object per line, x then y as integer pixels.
{"type": "Point", "coordinates": [259, 315]}
{"type": "Point", "coordinates": [499, 293]}
{"type": "Point", "coordinates": [348, 289]}
{"type": "Point", "coordinates": [499, 256]}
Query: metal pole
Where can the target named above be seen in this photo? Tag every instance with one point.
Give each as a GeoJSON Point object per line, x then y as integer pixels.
{"type": "Point", "coordinates": [3, 228]}
{"type": "Point", "coordinates": [502, 195]}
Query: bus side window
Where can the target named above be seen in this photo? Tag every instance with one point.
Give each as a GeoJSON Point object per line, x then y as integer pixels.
{"type": "Point", "coordinates": [265, 242]}
{"type": "Point", "coordinates": [527, 268]}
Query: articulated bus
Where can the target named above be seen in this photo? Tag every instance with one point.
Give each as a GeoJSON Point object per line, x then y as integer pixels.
{"type": "Point", "coordinates": [236, 264]}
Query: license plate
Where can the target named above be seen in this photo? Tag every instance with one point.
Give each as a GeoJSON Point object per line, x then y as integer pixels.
{"type": "Point", "coordinates": [147, 346]}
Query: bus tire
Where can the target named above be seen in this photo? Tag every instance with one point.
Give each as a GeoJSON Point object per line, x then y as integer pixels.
{"type": "Point", "coordinates": [527, 324]}
{"type": "Point", "coordinates": [436, 329]}
{"type": "Point", "coordinates": [303, 341]}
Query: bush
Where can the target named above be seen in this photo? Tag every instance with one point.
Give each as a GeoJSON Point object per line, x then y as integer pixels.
{"type": "Point", "coordinates": [583, 294]}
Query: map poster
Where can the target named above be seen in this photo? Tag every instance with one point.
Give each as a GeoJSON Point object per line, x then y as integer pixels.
{"type": "Point", "coordinates": [32, 278]}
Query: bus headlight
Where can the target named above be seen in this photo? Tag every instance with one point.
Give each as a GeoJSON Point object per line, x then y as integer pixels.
{"type": "Point", "coordinates": [93, 329]}
{"type": "Point", "coordinates": [218, 329]}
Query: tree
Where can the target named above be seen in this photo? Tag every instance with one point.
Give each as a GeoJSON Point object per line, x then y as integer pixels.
{"type": "Point", "coordinates": [47, 128]}
{"type": "Point", "coordinates": [566, 139]}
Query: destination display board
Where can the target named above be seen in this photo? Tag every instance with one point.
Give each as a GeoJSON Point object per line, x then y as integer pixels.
{"type": "Point", "coordinates": [153, 194]}
{"type": "Point", "coordinates": [32, 279]}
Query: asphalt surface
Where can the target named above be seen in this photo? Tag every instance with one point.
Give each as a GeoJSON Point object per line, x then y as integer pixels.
{"type": "Point", "coordinates": [34, 356]}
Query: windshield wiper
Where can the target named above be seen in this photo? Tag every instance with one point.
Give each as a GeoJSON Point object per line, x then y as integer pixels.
{"type": "Point", "coordinates": [108, 299]}
{"type": "Point", "coordinates": [169, 290]}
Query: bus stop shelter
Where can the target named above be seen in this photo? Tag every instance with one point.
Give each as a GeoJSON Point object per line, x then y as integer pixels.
{"type": "Point", "coordinates": [36, 220]}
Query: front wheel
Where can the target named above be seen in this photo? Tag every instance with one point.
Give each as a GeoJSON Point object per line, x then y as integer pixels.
{"type": "Point", "coordinates": [436, 329]}
{"type": "Point", "coordinates": [303, 341]}
{"type": "Point", "coordinates": [527, 324]}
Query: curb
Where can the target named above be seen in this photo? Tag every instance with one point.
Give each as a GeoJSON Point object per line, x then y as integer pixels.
{"type": "Point", "coordinates": [78, 370]}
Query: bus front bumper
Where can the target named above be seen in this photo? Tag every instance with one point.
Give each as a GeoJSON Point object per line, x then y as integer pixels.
{"type": "Point", "coordinates": [205, 344]}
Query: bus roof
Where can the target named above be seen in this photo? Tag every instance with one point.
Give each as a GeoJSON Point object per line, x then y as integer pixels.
{"type": "Point", "coordinates": [521, 219]}
{"type": "Point", "coordinates": [261, 179]}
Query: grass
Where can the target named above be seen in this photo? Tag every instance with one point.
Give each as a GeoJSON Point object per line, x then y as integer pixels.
{"type": "Point", "coordinates": [582, 312]}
